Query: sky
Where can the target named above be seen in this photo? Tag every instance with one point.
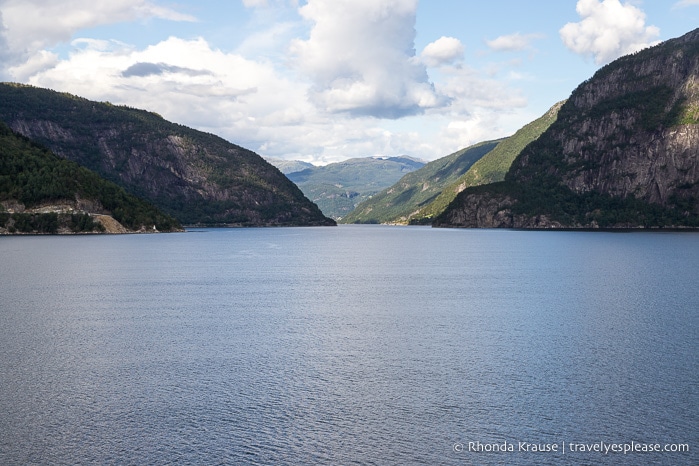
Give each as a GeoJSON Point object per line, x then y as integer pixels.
{"type": "Point", "coordinates": [326, 80]}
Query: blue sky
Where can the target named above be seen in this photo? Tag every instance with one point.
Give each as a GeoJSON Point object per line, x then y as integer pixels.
{"type": "Point", "coordinates": [326, 80]}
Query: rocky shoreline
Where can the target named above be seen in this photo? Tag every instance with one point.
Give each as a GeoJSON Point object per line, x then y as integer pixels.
{"type": "Point", "coordinates": [63, 218]}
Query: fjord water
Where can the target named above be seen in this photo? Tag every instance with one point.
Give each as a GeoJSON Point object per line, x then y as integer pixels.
{"type": "Point", "coordinates": [347, 345]}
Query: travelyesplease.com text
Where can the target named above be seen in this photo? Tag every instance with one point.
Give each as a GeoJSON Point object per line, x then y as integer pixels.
{"type": "Point", "coordinates": [571, 447]}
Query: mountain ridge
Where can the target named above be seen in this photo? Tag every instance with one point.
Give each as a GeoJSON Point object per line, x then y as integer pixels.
{"type": "Point", "coordinates": [623, 153]}
{"type": "Point", "coordinates": [490, 168]}
{"type": "Point", "coordinates": [42, 193]}
{"type": "Point", "coordinates": [397, 203]}
{"type": "Point", "coordinates": [337, 188]}
{"type": "Point", "coordinates": [197, 177]}
{"type": "Point", "coordinates": [288, 166]}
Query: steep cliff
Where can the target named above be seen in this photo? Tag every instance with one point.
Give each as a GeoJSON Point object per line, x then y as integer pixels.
{"type": "Point", "coordinates": [197, 177]}
{"type": "Point", "coordinates": [42, 193]}
{"type": "Point", "coordinates": [623, 153]}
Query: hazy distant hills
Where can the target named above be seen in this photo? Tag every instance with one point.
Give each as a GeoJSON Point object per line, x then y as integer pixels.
{"type": "Point", "coordinates": [623, 153]}
{"type": "Point", "coordinates": [196, 177]}
{"type": "Point", "coordinates": [420, 196]}
{"type": "Point", "coordinates": [398, 202]}
{"type": "Point", "coordinates": [289, 166]}
{"type": "Point", "coordinates": [42, 193]}
{"type": "Point", "coordinates": [337, 188]}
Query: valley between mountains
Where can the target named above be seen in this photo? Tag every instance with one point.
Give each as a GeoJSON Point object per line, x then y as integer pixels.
{"type": "Point", "coordinates": [621, 152]}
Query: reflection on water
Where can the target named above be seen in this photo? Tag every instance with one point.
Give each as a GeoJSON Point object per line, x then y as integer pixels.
{"type": "Point", "coordinates": [356, 343]}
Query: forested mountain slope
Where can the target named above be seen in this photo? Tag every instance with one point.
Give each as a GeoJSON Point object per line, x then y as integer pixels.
{"type": "Point", "coordinates": [197, 177]}
{"type": "Point", "coordinates": [41, 193]}
{"type": "Point", "coordinates": [398, 203]}
{"type": "Point", "coordinates": [623, 153]}
{"type": "Point", "coordinates": [492, 167]}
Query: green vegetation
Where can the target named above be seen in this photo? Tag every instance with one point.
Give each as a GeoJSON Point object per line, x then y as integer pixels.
{"type": "Point", "coordinates": [558, 203]}
{"type": "Point", "coordinates": [614, 134]}
{"type": "Point", "coordinates": [422, 195]}
{"type": "Point", "coordinates": [561, 204]}
{"type": "Point", "coordinates": [49, 223]}
{"type": "Point", "coordinates": [196, 177]}
{"type": "Point", "coordinates": [32, 175]}
{"type": "Point", "coordinates": [492, 167]}
{"type": "Point", "coordinates": [338, 187]}
{"type": "Point", "coordinates": [399, 202]}
{"type": "Point", "coordinates": [650, 106]}
{"type": "Point", "coordinates": [333, 201]}
{"type": "Point", "coordinates": [683, 113]}
{"type": "Point", "coordinates": [539, 192]}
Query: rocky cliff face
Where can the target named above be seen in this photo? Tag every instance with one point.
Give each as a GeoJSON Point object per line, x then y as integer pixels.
{"type": "Point", "coordinates": [197, 177]}
{"type": "Point", "coordinates": [627, 139]}
{"type": "Point", "coordinates": [43, 193]}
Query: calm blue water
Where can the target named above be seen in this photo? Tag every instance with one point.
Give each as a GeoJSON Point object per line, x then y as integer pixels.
{"type": "Point", "coordinates": [347, 345]}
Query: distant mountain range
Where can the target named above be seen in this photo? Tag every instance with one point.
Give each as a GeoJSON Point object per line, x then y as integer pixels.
{"type": "Point", "coordinates": [337, 188]}
{"type": "Point", "coordinates": [623, 153]}
{"type": "Point", "coordinates": [196, 177]}
{"type": "Point", "coordinates": [289, 166]}
{"type": "Point", "coordinates": [398, 203]}
{"type": "Point", "coordinates": [425, 193]}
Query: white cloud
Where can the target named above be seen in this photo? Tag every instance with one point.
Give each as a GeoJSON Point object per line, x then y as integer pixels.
{"type": "Point", "coordinates": [254, 3]}
{"type": "Point", "coordinates": [41, 60]}
{"type": "Point", "coordinates": [269, 3]}
{"type": "Point", "coordinates": [32, 25]}
{"type": "Point", "coordinates": [353, 88]}
{"type": "Point", "coordinates": [361, 58]}
{"type": "Point", "coordinates": [608, 30]}
{"type": "Point", "coordinates": [267, 110]}
{"type": "Point", "coordinates": [443, 51]}
{"type": "Point", "coordinates": [186, 81]}
{"type": "Point", "coordinates": [685, 3]}
{"type": "Point", "coordinates": [268, 41]}
{"type": "Point", "coordinates": [6, 55]}
{"type": "Point", "coordinates": [149, 10]}
{"type": "Point", "coordinates": [244, 101]}
{"type": "Point", "coordinates": [512, 42]}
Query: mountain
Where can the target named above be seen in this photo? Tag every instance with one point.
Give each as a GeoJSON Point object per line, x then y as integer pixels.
{"type": "Point", "coordinates": [623, 153]}
{"type": "Point", "coordinates": [42, 193]}
{"type": "Point", "coordinates": [337, 188]}
{"type": "Point", "coordinates": [397, 203]}
{"type": "Point", "coordinates": [289, 166]}
{"type": "Point", "coordinates": [492, 167]}
{"type": "Point", "coordinates": [196, 177]}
